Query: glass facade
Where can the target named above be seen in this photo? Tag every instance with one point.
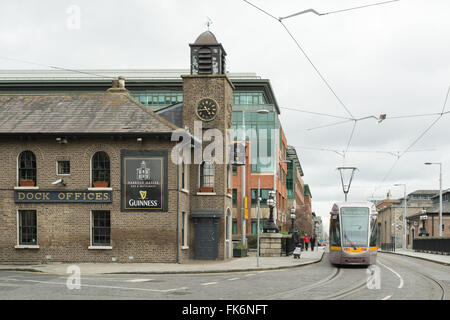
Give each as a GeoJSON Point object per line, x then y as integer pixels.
{"type": "Point", "coordinates": [262, 130]}
{"type": "Point", "coordinates": [157, 100]}
{"type": "Point", "coordinates": [290, 180]}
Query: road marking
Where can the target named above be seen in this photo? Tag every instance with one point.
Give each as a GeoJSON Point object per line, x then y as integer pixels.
{"type": "Point", "coordinates": [232, 279]}
{"type": "Point", "coordinates": [139, 280]}
{"type": "Point", "coordinates": [387, 297]}
{"type": "Point", "coordinates": [394, 272]}
{"type": "Point", "coordinates": [250, 275]}
{"type": "Point", "coordinates": [208, 283]}
{"type": "Point", "coordinates": [99, 286]}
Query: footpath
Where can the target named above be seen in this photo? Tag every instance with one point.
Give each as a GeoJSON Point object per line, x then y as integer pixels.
{"type": "Point", "coordinates": [192, 266]}
{"type": "Point", "coordinates": [438, 258]}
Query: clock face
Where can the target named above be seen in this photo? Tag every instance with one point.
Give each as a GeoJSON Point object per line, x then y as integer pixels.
{"type": "Point", "coordinates": [207, 109]}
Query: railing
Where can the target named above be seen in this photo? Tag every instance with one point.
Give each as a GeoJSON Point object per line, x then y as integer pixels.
{"type": "Point", "coordinates": [289, 243]}
{"type": "Point", "coordinates": [388, 247]}
{"type": "Point", "coordinates": [432, 245]}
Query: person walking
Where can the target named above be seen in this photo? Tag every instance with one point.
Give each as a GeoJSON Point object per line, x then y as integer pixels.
{"type": "Point", "coordinates": [306, 240]}
{"type": "Point", "coordinates": [313, 241]}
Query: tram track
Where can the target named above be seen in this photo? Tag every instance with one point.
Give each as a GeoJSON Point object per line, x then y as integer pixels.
{"type": "Point", "coordinates": [423, 275]}
{"type": "Point", "coordinates": [292, 293]}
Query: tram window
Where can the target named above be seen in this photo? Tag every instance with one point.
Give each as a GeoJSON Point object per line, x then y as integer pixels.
{"type": "Point", "coordinates": [335, 233]}
{"type": "Point", "coordinates": [373, 232]}
{"type": "Point", "coordinates": [355, 224]}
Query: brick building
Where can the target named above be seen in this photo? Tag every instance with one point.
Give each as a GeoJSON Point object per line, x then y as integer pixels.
{"type": "Point", "coordinates": [89, 177]}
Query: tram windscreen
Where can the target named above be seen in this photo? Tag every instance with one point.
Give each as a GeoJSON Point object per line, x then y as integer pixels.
{"type": "Point", "coordinates": [355, 223]}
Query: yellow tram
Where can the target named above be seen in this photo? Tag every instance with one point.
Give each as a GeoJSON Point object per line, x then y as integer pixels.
{"type": "Point", "coordinates": [353, 233]}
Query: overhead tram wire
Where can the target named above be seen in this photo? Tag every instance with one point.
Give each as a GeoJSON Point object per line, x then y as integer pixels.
{"type": "Point", "coordinates": [57, 68]}
{"type": "Point", "coordinates": [306, 55]}
{"type": "Point", "coordinates": [337, 11]}
{"type": "Point", "coordinates": [316, 113]}
{"type": "Point", "coordinates": [417, 139]}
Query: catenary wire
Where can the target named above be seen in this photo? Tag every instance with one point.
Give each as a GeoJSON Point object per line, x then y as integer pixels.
{"type": "Point", "coordinates": [337, 11]}
{"type": "Point", "coordinates": [57, 68]}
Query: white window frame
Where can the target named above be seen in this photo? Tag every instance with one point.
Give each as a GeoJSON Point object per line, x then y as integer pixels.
{"type": "Point", "coordinates": [91, 246]}
{"type": "Point", "coordinates": [26, 246]}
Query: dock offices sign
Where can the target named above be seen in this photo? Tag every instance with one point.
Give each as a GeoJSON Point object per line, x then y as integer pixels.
{"type": "Point", "coordinates": [55, 196]}
{"type": "Point", "coordinates": [144, 180]}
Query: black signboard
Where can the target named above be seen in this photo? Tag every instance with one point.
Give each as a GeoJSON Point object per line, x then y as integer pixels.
{"type": "Point", "coordinates": [144, 180]}
{"type": "Point", "coordinates": [36, 196]}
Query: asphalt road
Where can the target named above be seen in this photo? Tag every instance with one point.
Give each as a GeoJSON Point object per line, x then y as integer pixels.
{"type": "Point", "coordinates": [393, 278]}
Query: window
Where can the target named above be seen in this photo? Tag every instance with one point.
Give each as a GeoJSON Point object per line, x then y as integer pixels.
{"type": "Point", "coordinates": [234, 198]}
{"type": "Point", "coordinates": [234, 170]}
{"type": "Point", "coordinates": [354, 227]}
{"type": "Point", "coordinates": [254, 227]}
{"type": "Point", "coordinates": [264, 194]}
{"type": "Point", "coordinates": [335, 233]}
{"type": "Point", "coordinates": [183, 229]}
{"type": "Point", "coordinates": [27, 227]}
{"type": "Point", "coordinates": [27, 169]}
{"type": "Point", "coordinates": [100, 170]}
{"type": "Point", "coordinates": [207, 175]}
{"type": "Point", "coordinates": [101, 228]}
{"type": "Point", "coordinates": [63, 167]}
{"type": "Point", "coordinates": [234, 226]}
{"type": "Point", "coordinates": [183, 175]}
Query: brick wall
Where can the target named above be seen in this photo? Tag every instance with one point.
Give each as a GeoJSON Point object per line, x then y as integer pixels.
{"type": "Point", "coordinates": [63, 229]}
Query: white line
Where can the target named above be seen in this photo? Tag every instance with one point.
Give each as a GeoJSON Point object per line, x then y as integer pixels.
{"type": "Point", "coordinates": [106, 287]}
{"type": "Point", "coordinates": [138, 280]}
{"type": "Point", "coordinates": [232, 279]}
{"type": "Point", "coordinates": [249, 275]}
{"type": "Point", "coordinates": [386, 298]}
{"type": "Point", "coordinates": [394, 272]}
{"type": "Point", "coordinates": [208, 283]}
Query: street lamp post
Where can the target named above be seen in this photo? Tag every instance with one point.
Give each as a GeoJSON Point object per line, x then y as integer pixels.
{"type": "Point", "coordinates": [270, 225]}
{"type": "Point", "coordinates": [292, 220]}
{"type": "Point", "coordinates": [404, 214]}
{"type": "Point", "coordinates": [440, 194]}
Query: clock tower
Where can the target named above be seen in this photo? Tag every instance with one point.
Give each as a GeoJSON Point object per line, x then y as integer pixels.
{"type": "Point", "coordinates": [207, 103]}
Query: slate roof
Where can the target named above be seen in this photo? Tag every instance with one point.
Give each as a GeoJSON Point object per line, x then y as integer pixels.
{"type": "Point", "coordinates": [72, 113]}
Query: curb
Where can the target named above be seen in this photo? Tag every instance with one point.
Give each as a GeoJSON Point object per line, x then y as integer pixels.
{"type": "Point", "coordinates": [421, 258]}
{"type": "Point", "coordinates": [180, 272]}
{"type": "Point", "coordinates": [221, 270]}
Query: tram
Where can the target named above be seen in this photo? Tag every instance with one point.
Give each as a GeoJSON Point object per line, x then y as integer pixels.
{"type": "Point", "coordinates": [353, 233]}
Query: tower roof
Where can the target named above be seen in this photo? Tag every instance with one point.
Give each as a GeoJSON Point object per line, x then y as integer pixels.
{"type": "Point", "coordinates": [206, 38]}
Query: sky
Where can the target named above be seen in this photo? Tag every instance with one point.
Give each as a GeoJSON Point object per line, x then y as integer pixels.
{"type": "Point", "coordinates": [388, 59]}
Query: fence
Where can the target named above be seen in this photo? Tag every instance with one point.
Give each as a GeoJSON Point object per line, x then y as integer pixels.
{"type": "Point", "coordinates": [288, 244]}
{"type": "Point", "coordinates": [432, 245]}
{"type": "Point", "coordinates": [388, 247]}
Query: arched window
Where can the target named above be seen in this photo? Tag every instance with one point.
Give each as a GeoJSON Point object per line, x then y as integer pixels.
{"type": "Point", "coordinates": [207, 176]}
{"type": "Point", "coordinates": [27, 169]}
{"type": "Point", "coordinates": [100, 170]}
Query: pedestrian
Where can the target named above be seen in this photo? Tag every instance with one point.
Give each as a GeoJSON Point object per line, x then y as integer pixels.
{"type": "Point", "coordinates": [313, 241]}
{"type": "Point", "coordinates": [306, 239]}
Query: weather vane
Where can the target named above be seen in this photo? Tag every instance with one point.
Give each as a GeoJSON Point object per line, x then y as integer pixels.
{"type": "Point", "coordinates": [208, 22]}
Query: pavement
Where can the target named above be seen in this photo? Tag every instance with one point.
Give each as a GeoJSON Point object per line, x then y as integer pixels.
{"type": "Point", "coordinates": [192, 266]}
{"type": "Point", "coordinates": [200, 266]}
{"type": "Point", "coordinates": [438, 258]}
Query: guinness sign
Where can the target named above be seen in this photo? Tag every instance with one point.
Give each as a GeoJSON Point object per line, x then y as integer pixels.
{"type": "Point", "coordinates": [144, 180]}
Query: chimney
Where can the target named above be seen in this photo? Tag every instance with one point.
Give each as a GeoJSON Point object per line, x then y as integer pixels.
{"type": "Point", "coordinates": [118, 86]}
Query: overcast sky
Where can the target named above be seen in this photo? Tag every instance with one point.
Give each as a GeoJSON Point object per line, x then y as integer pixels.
{"type": "Point", "coordinates": [392, 58]}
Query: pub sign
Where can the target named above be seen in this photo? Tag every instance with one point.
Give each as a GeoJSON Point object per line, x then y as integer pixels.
{"type": "Point", "coordinates": [144, 180]}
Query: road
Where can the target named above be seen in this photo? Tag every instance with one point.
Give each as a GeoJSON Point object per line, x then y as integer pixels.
{"type": "Point", "coordinates": [395, 278]}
